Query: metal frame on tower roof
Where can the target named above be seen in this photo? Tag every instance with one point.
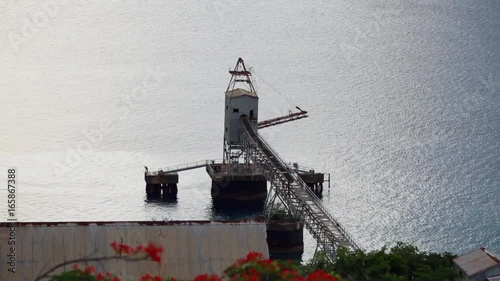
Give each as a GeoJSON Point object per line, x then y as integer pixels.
{"type": "Point", "coordinates": [240, 74]}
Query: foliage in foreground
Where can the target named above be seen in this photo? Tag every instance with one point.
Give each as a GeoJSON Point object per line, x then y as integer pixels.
{"type": "Point", "coordinates": [400, 263]}
{"type": "Point", "coordinates": [253, 267]}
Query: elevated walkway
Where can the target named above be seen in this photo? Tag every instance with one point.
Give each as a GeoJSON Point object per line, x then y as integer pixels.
{"type": "Point", "coordinates": [302, 203]}
{"type": "Point", "coordinates": [180, 168]}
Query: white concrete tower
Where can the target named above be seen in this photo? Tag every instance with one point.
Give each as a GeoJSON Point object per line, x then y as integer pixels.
{"type": "Point", "coordinates": [241, 99]}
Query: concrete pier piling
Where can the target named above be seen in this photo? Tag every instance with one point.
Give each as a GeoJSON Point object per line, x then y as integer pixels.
{"type": "Point", "coordinates": [241, 183]}
{"type": "Point", "coordinates": [169, 190]}
{"type": "Point", "coordinates": [240, 179]}
{"type": "Point", "coordinates": [313, 180]}
{"type": "Point", "coordinates": [285, 237]}
{"type": "Point", "coordinates": [161, 184]}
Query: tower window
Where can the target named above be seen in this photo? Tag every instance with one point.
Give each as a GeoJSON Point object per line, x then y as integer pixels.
{"type": "Point", "coordinates": [236, 110]}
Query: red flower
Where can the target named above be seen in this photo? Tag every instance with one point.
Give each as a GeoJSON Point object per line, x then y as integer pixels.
{"type": "Point", "coordinates": [320, 275]}
{"type": "Point", "coordinates": [267, 265]}
{"type": "Point", "coordinates": [206, 277]}
{"type": "Point", "coordinates": [291, 275]}
{"type": "Point", "coordinates": [148, 277]}
{"type": "Point", "coordinates": [90, 269]}
{"type": "Point", "coordinates": [288, 272]}
{"type": "Point", "coordinates": [127, 249]}
{"type": "Point", "coordinates": [138, 248]}
{"type": "Point", "coordinates": [99, 277]}
{"type": "Point", "coordinates": [254, 256]}
{"type": "Point", "coordinates": [154, 252]}
{"type": "Point", "coordinates": [251, 277]}
{"type": "Point", "coordinates": [254, 272]}
{"type": "Point", "coordinates": [114, 245]}
{"type": "Point", "coordinates": [119, 248]}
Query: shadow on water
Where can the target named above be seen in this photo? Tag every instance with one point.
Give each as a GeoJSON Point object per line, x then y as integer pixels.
{"type": "Point", "coordinates": [230, 210]}
{"type": "Point", "coordinates": [161, 200]}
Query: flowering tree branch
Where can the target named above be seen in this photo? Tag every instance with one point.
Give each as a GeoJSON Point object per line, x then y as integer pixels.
{"type": "Point", "coordinates": [254, 267]}
{"type": "Point", "coordinates": [97, 259]}
{"type": "Point", "coordinates": [131, 254]}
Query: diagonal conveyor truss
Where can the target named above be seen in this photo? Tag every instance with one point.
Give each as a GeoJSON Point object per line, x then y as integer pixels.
{"type": "Point", "coordinates": [302, 203]}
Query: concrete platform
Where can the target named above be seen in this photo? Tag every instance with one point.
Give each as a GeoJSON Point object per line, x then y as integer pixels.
{"type": "Point", "coordinates": [160, 177]}
{"type": "Point", "coordinates": [161, 184]}
{"type": "Point", "coordinates": [313, 180]}
{"type": "Point", "coordinates": [285, 236]}
{"type": "Point", "coordinates": [239, 182]}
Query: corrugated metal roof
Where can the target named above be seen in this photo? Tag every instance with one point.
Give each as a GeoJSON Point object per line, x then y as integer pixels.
{"type": "Point", "coordinates": [240, 92]}
{"type": "Point", "coordinates": [191, 248]}
{"type": "Point", "coordinates": [476, 261]}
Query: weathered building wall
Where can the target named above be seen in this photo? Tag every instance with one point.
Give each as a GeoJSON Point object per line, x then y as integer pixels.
{"type": "Point", "coordinates": [191, 248]}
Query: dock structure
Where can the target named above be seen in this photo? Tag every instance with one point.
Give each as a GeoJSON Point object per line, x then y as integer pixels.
{"type": "Point", "coordinates": [296, 196]}
{"type": "Point", "coordinates": [249, 163]}
{"type": "Point", "coordinates": [160, 183]}
{"type": "Point", "coordinates": [239, 182]}
{"type": "Point", "coordinates": [243, 182]}
{"type": "Point", "coordinates": [313, 179]}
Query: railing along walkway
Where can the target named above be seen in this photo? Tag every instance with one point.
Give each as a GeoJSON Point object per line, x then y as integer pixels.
{"type": "Point", "coordinates": [183, 167]}
{"type": "Point", "coordinates": [302, 203]}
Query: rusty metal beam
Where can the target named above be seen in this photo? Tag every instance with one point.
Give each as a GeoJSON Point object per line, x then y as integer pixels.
{"type": "Point", "coordinates": [282, 119]}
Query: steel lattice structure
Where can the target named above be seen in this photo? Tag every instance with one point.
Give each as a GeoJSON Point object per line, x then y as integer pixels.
{"type": "Point", "coordinates": [294, 193]}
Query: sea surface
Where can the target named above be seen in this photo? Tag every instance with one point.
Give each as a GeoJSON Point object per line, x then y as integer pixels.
{"type": "Point", "coordinates": [403, 101]}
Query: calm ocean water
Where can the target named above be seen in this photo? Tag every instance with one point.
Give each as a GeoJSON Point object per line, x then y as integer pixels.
{"type": "Point", "coordinates": [403, 100]}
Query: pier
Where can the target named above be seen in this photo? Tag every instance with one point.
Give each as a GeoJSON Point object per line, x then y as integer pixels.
{"type": "Point", "coordinates": [237, 182]}
{"type": "Point", "coordinates": [250, 165]}
{"type": "Point", "coordinates": [160, 183]}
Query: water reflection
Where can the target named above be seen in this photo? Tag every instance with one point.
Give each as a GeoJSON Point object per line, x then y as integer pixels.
{"type": "Point", "coordinates": [229, 210]}
{"type": "Point", "coordinates": [161, 200]}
